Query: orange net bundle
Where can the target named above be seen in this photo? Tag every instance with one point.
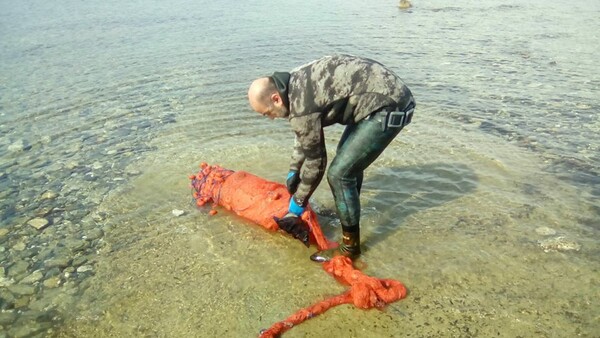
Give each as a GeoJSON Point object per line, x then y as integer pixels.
{"type": "Point", "coordinates": [365, 292]}
{"type": "Point", "coordinates": [261, 201]}
{"type": "Point", "coordinates": [251, 197]}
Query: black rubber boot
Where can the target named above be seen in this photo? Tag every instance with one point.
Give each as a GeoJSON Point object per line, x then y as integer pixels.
{"type": "Point", "coordinates": [350, 247]}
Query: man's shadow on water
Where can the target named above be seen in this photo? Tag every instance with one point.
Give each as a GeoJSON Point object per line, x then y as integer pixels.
{"type": "Point", "coordinates": [398, 192]}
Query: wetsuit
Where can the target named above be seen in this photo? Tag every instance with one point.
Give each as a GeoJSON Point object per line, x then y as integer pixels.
{"type": "Point", "coordinates": [352, 91]}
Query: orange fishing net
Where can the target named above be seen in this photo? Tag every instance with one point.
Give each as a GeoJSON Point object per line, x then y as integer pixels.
{"type": "Point", "coordinates": [259, 200]}
{"type": "Point", "coordinates": [251, 197]}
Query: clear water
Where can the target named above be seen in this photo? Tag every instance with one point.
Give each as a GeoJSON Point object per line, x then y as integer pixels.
{"type": "Point", "coordinates": [112, 105]}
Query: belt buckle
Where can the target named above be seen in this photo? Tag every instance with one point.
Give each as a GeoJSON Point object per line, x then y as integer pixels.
{"type": "Point", "coordinates": [396, 119]}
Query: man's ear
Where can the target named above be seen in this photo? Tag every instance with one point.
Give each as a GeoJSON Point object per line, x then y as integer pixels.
{"type": "Point", "coordinates": [276, 99]}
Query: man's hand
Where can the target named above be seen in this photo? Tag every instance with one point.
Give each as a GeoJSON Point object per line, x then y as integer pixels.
{"type": "Point", "coordinates": [294, 226]}
{"type": "Point", "coordinates": [293, 179]}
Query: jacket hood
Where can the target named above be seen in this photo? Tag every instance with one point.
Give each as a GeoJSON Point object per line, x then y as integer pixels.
{"type": "Point", "coordinates": [282, 80]}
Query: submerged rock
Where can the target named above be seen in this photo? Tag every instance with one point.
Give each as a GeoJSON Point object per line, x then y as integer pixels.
{"type": "Point", "coordinates": [52, 282]}
{"type": "Point", "coordinates": [39, 223]}
{"type": "Point", "coordinates": [3, 232]}
{"type": "Point", "coordinates": [8, 317]}
{"type": "Point", "coordinates": [545, 231]}
{"type": "Point", "coordinates": [19, 146]}
{"type": "Point", "coordinates": [404, 4]}
{"type": "Point", "coordinates": [559, 243]}
{"type": "Point", "coordinates": [34, 277]}
{"type": "Point", "coordinates": [84, 268]}
{"type": "Point", "coordinates": [49, 195]}
{"type": "Point", "coordinates": [4, 282]}
{"type": "Point", "coordinates": [21, 290]}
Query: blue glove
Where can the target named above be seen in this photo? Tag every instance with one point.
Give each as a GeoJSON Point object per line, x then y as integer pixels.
{"type": "Point", "coordinates": [292, 181]}
{"type": "Point", "coordinates": [295, 208]}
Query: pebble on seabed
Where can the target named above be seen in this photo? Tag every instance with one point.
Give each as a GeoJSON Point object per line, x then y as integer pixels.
{"type": "Point", "coordinates": [177, 212]}
{"type": "Point", "coordinates": [84, 268]}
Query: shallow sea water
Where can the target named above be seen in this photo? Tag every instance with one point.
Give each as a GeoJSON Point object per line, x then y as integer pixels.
{"type": "Point", "coordinates": [113, 105]}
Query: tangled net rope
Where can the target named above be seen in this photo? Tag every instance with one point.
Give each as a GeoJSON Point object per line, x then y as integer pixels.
{"type": "Point", "coordinates": [259, 200]}
{"type": "Point", "coordinates": [365, 292]}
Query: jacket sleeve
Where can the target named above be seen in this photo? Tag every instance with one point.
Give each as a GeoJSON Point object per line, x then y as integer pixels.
{"type": "Point", "coordinates": [297, 156]}
{"type": "Point", "coordinates": [310, 142]}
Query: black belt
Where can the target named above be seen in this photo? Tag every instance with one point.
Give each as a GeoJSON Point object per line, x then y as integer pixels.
{"type": "Point", "coordinates": [394, 119]}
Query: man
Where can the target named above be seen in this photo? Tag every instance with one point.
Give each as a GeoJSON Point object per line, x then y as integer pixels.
{"type": "Point", "coordinates": [360, 93]}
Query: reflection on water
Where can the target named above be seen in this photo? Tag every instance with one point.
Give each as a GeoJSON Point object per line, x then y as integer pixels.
{"type": "Point", "coordinates": [106, 108]}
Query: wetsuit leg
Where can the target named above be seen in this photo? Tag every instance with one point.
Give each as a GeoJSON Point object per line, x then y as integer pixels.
{"type": "Point", "coordinates": [359, 146]}
{"type": "Point", "coordinates": [349, 129]}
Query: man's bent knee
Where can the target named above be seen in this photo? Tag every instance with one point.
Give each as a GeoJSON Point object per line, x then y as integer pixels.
{"type": "Point", "coordinates": [337, 178]}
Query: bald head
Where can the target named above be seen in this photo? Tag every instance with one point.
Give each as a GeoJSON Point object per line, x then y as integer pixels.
{"type": "Point", "coordinates": [260, 91]}
{"type": "Point", "coordinates": [265, 99]}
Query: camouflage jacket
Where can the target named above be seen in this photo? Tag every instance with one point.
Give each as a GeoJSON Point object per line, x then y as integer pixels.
{"type": "Point", "coordinates": [335, 89]}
